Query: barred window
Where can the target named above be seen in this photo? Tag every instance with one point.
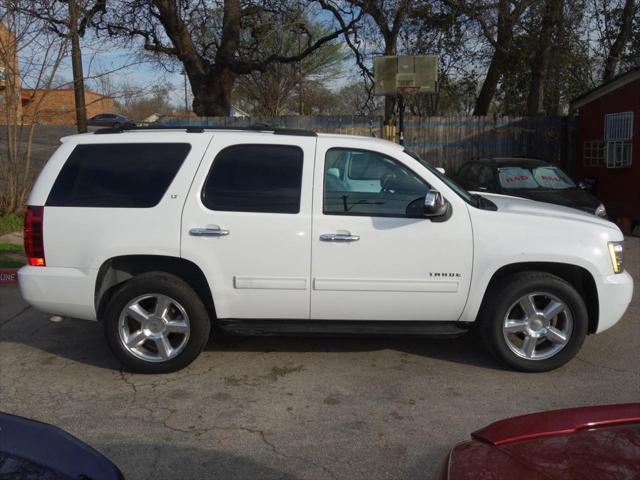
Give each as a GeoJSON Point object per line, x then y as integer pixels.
{"type": "Point", "coordinates": [618, 126]}
{"type": "Point", "coordinates": [618, 138]}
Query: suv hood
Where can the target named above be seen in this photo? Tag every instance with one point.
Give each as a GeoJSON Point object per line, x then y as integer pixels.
{"type": "Point", "coordinates": [524, 206]}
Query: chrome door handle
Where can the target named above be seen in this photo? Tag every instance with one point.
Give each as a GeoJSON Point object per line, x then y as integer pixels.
{"type": "Point", "coordinates": [339, 237]}
{"type": "Point", "coordinates": [209, 232]}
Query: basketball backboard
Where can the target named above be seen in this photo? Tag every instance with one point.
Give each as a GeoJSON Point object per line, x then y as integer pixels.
{"type": "Point", "coordinates": [405, 74]}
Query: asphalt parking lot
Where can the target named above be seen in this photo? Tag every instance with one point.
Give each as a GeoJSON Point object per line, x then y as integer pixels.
{"type": "Point", "coordinates": [293, 408]}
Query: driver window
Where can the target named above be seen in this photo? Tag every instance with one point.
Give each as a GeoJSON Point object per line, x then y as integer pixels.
{"type": "Point", "coordinates": [365, 183]}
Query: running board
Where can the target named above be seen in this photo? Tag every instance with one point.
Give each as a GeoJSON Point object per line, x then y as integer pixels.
{"type": "Point", "coordinates": [342, 328]}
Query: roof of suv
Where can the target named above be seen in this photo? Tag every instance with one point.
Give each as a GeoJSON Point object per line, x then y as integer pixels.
{"type": "Point", "coordinates": [228, 131]}
{"type": "Point", "coordinates": [381, 141]}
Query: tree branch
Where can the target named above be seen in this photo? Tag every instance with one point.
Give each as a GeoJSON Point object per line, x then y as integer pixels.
{"type": "Point", "coordinates": [241, 68]}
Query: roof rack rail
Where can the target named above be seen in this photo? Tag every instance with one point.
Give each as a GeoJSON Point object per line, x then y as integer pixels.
{"type": "Point", "coordinates": [201, 128]}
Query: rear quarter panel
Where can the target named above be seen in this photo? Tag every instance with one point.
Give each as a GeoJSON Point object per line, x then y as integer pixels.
{"type": "Point", "coordinates": [85, 237]}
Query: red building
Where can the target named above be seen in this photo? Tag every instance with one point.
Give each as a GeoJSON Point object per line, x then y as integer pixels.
{"type": "Point", "coordinates": [609, 144]}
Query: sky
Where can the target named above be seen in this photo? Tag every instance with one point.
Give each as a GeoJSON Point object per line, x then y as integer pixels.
{"type": "Point", "coordinates": [125, 65]}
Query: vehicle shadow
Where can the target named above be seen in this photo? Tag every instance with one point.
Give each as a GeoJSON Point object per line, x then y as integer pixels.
{"type": "Point", "coordinates": [84, 342]}
{"type": "Point", "coordinates": [466, 349]}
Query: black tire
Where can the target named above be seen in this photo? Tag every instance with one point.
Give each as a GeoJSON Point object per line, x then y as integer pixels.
{"type": "Point", "coordinates": [502, 296]}
{"type": "Point", "coordinates": [170, 286]}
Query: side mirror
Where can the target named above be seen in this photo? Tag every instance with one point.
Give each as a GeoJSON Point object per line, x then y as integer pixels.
{"type": "Point", "coordinates": [583, 186]}
{"type": "Point", "coordinates": [441, 170]}
{"type": "Point", "coordinates": [435, 205]}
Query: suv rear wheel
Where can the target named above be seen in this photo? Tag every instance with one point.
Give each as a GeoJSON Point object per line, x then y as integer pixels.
{"type": "Point", "coordinates": [533, 321]}
{"type": "Point", "coordinates": [156, 323]}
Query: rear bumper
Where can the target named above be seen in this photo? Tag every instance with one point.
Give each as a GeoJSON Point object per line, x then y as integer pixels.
{"type": "Point", "coordinates": [68, 292]}
{"type": "Point", "coordinates": [614, 293]}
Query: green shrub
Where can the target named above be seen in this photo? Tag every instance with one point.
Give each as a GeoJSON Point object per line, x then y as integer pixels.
{"type": "Point", "coordinates": [10, 222]}
{"type": "Point", "coordinates": [10, 263]}
{"type": "Point", "coordinates": [10, 247]}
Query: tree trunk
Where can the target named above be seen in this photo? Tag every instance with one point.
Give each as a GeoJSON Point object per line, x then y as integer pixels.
{"type": "Point", "coordinates": [489, 86]}
{"type": "Point", "coordinates": [76, 65]}
{"type": "Point", "coordinates": [613, 59]}
{"type": "Point", "coordinates": [554, 86]}
{"type": "Point", "coordinates": [503, 39]}
{"type": "Point", "coordinates": [212, 94]}
{"type": "Point", "coordinates": [540, 64]}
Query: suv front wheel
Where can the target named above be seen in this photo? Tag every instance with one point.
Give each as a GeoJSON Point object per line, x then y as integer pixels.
{"type": "Point", "coordinates": [533, 321]}
{"type": "Point", "coordinates": [156, 323]}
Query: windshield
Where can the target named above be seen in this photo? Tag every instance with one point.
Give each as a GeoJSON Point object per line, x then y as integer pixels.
{"type": "Point", "coordinates": [546, 177]}
{"type": "Point", "coordinates": [462, 193]}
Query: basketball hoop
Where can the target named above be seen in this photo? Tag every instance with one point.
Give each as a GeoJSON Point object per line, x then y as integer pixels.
{"type": "Point", "coordinates": [408, 90]}
{"type": "Point", "coordinates": [405, 75]}
{"type": "Point", "coordinates": [402, 76]}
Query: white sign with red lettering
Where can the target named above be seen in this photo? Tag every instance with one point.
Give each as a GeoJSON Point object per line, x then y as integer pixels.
{"type": "Point", "coordinates": [516, 177]}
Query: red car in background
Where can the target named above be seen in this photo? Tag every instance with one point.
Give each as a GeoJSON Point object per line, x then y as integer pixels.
{"type": "Point", "coordinates": [598, 443]}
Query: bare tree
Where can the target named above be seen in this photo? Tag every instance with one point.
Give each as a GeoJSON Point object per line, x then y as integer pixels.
{"type": "Point", "coordinates": [268, 93]}
{"type": "Point", "coordinates": [216, 41]}
{"type": "Point", "coordinates": [388, 18]}
{"type": "Point", "coordinates": [354, 100]}
{"type": "Point", "coordinates": [540, 64]}
{"type": "Point", "coordinates": [69, 19]}
{"type": "Point", "coordinates": [621, 40]}
{"type": "Point", "coordinates": [497, 22]}
{"type": "Point", "coordinates": [30, 56]}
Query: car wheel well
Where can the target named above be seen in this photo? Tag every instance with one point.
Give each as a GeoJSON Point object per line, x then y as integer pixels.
{"type": "Point", "coordinates": [118, 270]}
{"type": "Point", "coordinates": [578, 277]}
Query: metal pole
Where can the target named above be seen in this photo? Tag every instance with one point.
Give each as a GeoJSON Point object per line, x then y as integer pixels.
{"type": "Point", "coordinates": [401, 120]}
{"type": "Point", "coordinates": [76, 67]}
{"type": "Point", "coordinates": [186, 96]}
{"type": "Point", "coordinates": [300, 109]}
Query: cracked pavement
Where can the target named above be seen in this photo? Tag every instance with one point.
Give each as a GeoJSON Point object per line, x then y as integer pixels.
{"type": "Point", "coordinates": [293, 408]}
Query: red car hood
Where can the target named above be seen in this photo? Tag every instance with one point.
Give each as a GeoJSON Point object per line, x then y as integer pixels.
{"type": "Point", "coordinates": [584, 443]}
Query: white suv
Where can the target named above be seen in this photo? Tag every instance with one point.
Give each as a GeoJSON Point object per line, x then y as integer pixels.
{"type": "Point", "coordinates": [159, 233]}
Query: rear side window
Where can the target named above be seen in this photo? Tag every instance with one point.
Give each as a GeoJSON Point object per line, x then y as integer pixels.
{"type": "Point", "coordinates": [255, 178]}
{"type": "Point", "coordinates": [117, 175]}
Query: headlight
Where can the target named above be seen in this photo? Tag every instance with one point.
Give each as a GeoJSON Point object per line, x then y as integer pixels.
{"type": "Point", "coordinates": [615, 250]}
{"type": "Point", "coordinates": [601, 211]}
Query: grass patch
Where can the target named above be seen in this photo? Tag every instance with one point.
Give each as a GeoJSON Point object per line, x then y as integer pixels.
{"type": "Point", "coordinates": [11, 247]}
{"type": "Point", "coordinates": [10, 222]}
{"type": "Point", "coordinates": [10, 264]}
{"type": "Point", "coordinates": [11, 255]}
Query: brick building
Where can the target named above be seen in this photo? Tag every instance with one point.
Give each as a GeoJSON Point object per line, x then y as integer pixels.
{"type": "Point", "coordinates": [10, 104]}
{"type": "Point", "coordinates": [57, 106]}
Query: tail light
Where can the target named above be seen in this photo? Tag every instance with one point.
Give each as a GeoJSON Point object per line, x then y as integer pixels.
{"type": "Point", "coordinates": [34, 236]}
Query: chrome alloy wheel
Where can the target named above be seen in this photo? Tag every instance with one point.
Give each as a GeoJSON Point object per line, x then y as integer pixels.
{"type": "Point", "coordinates": [537, 326]}
{"type": "Point", "coordinates": [154, 327]}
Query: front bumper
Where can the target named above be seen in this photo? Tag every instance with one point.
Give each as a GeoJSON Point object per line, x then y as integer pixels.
{"type": "Point", "coordinates": [614, 294]}
{"type": "Point", "coordinates": [68, 292]}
